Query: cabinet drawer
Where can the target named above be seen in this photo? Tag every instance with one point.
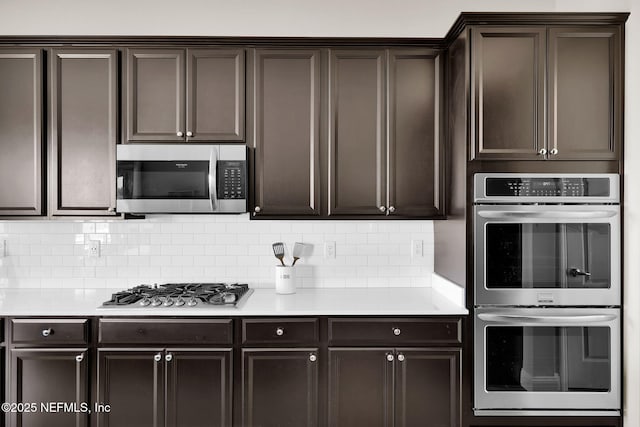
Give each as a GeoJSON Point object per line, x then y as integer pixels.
{"type": "Point", "coordinates": [50, 331]}
{"type": "Point", "coordinates": [279, 331]}
{"type": "Point", "coordinates": [165, 331]}
{"type": "Point", "coordinates": [351, 332]}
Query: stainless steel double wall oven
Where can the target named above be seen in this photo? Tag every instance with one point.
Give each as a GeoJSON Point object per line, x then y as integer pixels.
{"type": "Point", "coordinates": [547, 294]}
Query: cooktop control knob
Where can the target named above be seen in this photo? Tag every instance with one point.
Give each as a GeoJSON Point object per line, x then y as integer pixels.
{"type": "Point", "coordinates": [179, 302]}
{"type": "Point", "coordinates": [192, 302]}
{"type": "Point", "coordinates": [156, 302]}
{"type": "Point", "coordinates": [168, 302]}
{"type": "Point", "coordinates": [144, 302]}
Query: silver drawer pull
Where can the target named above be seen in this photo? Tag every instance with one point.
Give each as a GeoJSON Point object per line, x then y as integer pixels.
{"type": "Point", "coordinates": [313, 357]}
{"type": "Point", "coordinates": [396, 331]}
{"type": "Point", "coordinates": [390, 357]}
{"type": "Point", "coordinates": [401, 357]}
{"type": "Point", "coordinates": [47, 332]}
{"type": "Point", "coordinates": [79, 358]}
{"type": "Point", "coordinates": [168, 357]}
{"type": "Point", "coordinates": [157, 357]}
{"type": "Point", "coordinates": [280, 332]}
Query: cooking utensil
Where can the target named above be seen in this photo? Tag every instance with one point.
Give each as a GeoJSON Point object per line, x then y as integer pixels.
{"type": "Point", "coordinates": [298, 248]}
{"type": "Point", "coordinates": [278, 251]}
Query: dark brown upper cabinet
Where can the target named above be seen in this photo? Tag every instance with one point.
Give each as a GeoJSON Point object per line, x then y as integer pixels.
{"type": "Point", "coordinates": [177, 95]}
{"type": "Point", "coordinates": [21, 139]}
{"type": "Point", "coordinates": [546, 93]}
{"type": "Point", "coordinates": [508, 78]}
{"type": "Point", "coordinates": [83, 111]}
{"type": "Point", "coordinates": [287, 132]}
{"type": "Point", "coordinates": [357, 135]}
{"type": "Point", "coordinates": [384, 133]}
{"type": "Point", "coordinates": [585, 93]}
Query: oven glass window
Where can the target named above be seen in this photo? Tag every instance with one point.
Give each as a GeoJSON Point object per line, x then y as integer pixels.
{"type": "Point", "coordinates": [558, 359]}
{"type": "Point", "coordinates": [164, 179]}
{"type": "Point", "coordinates": [544, 255]}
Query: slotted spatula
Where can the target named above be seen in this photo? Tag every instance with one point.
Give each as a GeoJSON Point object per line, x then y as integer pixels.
{"type": "Point", "coordinates": [298, 248]}
{"type": "Point", "coordinates": [278, 251]}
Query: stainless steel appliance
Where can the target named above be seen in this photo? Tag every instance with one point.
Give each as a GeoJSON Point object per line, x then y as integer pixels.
{"type": "Point", "coordinates": [547, 240]}
{"type": "Point", "coordinates": [180, 295]}
{"type": "Point", "coordinates": [181, 178]}
{"type": "Point", "coordinates": [547, 361]}
{"type": "Point", "coordinates": [547, 294]}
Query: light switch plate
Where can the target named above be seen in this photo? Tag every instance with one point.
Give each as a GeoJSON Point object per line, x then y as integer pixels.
{"type": "Point", "coordinates": [94, 248]}
{"type": "Point", "coordinates": [329, 249]}
{"type": "Point", "coordinates": [416, 248]}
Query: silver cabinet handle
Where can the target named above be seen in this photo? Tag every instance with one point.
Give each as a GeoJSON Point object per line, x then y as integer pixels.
{"type": "Point", "coordinates": [180, 134]}
{"type": "Point", "coordinates": [401, 357]}
{"type": "Point", "coordinates": [168, 357]}
{"type": "Point", "coordinates": [392, 209]}
{"type": "Point", "coordinates": [157, 357]}
{"type": "Point", "coordinates": [189, 133]}
{"type": "Point", "coordinates": [257, 209]}
{"type": "Point", "coordinates": [47, 332]}
{"type": "Point", "coordinates": [542, 151]}
{"type": "Point", "coordinates": [313, 357]}
{"type": "Point", "coordinates": [79, 358]}
{"type": "Point", "coordinates": [279, 332]}
{"type": "Point", "coordinates": [390, 357]}
{"type": "Point", "coordinates": [396, 331]}
{"type": "Point", "coordinates": [562, 215]}
{"type": "Point", "coordinates": [553, 151]}
{"type": "Point", "coordinates": [382, 209]}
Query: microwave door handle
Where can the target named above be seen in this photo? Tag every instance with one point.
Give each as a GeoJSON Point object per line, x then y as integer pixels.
{"type": "Point", "coordinates": [511, 215]}
{"type": "Point", "coordinates": [213, 180]}
{"type": "Point", "coordinates": [555, 320]}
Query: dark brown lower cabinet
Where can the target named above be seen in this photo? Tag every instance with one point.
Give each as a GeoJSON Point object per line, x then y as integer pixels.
{"type": "Point", "coordinates": [394, 387]}
{"type": "Point", "coordinates": [135, 383]}
{"type": "Point", "coordinates": [46, 376]}
{"type": "Point", "coordinates": [280, 387]}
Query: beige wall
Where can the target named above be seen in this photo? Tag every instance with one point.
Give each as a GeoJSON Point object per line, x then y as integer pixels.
{"type": "Point", "coordinates": [399, 18]}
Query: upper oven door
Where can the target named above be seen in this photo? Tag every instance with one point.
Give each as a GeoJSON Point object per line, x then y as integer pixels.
{"type": "Point", "coordinates": [530, 255]}
{"type": "Point", "coordinates": [553, 359]}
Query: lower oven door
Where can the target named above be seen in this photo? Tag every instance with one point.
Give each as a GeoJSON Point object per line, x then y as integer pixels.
{"type": "Point", "coordinates": [560, 361]}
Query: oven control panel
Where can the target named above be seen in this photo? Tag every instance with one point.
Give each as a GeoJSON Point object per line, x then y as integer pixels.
{"type": "Point", "coordinates": [232, 179]}
{"type": "Point", "coordinates": [536, 188]}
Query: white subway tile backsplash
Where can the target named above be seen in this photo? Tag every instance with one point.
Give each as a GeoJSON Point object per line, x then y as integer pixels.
{"type": "Point", "coordinates": [165, 248]}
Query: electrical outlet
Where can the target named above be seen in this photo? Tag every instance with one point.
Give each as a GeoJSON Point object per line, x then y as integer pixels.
{"type": "Point", "coordinates": [94, 248]}
{"type": "Point", "coordinates": [329, 249]}
{"type": "Point", "coordinates": [416, 248]}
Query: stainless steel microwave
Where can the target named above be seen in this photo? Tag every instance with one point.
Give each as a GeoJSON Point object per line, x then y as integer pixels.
{"type": "Point", "coordinates": [181, 178]}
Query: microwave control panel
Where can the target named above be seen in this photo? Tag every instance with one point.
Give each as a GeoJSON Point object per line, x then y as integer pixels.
{"type": "Point", "coordinates": [232, 179]}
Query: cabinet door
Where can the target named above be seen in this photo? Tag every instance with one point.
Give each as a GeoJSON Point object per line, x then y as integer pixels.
{"type": "Point", "coordinates": [132, 382]}
{"type": "Point", "coordinates": [155, 95]}
{"type": "Point", "coordinates": [84, 85]}
{"type": "Point", "coordinates": [280, 387]}
{"type": "Point", "coordinates": [44, 376]}
{"type": "Point", "coordinates": [415, 150]}
{"type": "Point", "coordinates": [198, 388]}
{"type": "Point", "coordinates": [360, 387]}
{"type": "Point", "coordinates": [357, 134]}
{"type": "Point", "coordinates": [21, 137]}
{"type": "Point", "coordinates": [215, 95]}
{"type": "Point", "coordinates": [427, 387]}
{"type": "Point", "coordinates": [287, 116]}
{"type": "Point", "coordinates": [585, 101]}
{"type": "Point", "coordinates": [508, 78]}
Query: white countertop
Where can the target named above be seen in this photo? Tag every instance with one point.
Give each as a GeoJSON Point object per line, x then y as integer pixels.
{"type": "Point", "coordinates": [263, 302]}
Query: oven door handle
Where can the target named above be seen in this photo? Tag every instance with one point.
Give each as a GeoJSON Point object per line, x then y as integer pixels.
{"type": "Point", "coordinates": [557, 320]}
{"type": "Point", "coordinates": [213, 179]}
{"type": "Point", "coordinates": [510, 215]}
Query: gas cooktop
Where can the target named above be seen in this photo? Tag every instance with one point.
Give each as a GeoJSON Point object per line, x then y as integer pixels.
{"type": "Point", "coordinates": [180, 295]}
